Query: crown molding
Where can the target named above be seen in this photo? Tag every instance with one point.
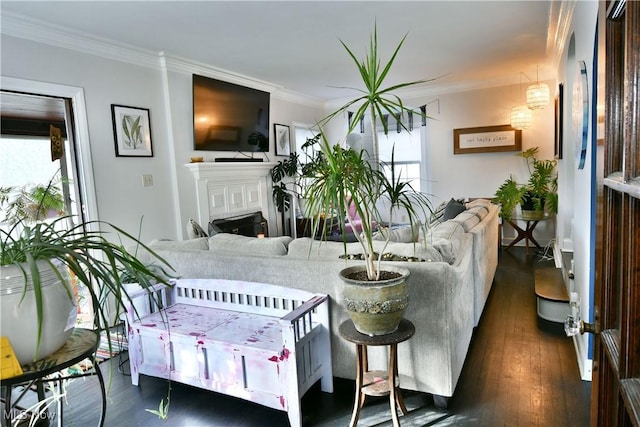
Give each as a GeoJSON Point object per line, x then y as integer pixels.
{"type": "Point", "coordinates": [27, 28]}
{"type": "Point", "coordinates": [560, 14]}
{"type": "Point", "coordinates": [23, 27]}
{"type": "Point", "coordinates": [181, 65]}
{"type": "Point", "coordinates": [43, 32]}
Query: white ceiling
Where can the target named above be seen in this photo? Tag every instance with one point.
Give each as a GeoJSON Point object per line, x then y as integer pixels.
{"type": "Point", "coordinates": [296, 44]}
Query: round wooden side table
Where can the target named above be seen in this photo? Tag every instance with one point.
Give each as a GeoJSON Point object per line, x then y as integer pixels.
{"type": "Point", "coordinates": [377, 383]}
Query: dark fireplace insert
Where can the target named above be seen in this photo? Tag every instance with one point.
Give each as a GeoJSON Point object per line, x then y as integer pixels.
{"type": "Point", "coordinates": [245, 225]}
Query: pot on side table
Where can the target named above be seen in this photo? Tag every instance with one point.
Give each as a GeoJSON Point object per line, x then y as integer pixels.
{"type": "Point", "coordinates": [530, 211]}
{"type": "Point", "coordinates": [376, 307]}
{"type": "Point", "coordinates": [18, 315]}
{"type": "Point", "coordinates": [532, 215]}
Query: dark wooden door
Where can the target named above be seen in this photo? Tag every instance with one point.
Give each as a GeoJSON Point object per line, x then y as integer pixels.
{"type": "Point", "coordinates": [616, 387]}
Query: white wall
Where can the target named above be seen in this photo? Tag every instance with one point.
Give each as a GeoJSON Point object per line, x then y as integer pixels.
{"type": "Point", "coordinates": [167, 205]}
{"type": "Point", "coordinates": [480, 174]}
{"type": "Point", "coordinates": [121, 198]}
{"type": "Point", "coordinates": [178, 90]}
{"type": "Point", "coordinates": [577, 184]}
{"type": "Point", "coordinates": [166, 91]}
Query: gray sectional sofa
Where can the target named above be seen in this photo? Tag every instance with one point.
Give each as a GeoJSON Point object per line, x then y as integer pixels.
{"type": "Point", "coordinates": [447, 291]}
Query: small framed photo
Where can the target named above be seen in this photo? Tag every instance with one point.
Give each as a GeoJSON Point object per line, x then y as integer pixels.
{"type": "Point", "coordinates": [131, 131]}
{"type": "Point", "coordinates": [283, 140]}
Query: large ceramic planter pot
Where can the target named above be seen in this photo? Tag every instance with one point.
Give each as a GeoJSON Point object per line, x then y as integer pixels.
{"type": "Point", "coordinates": [376, 308]}
{"type": "Point", "coordinates": [532, 215]}
{"type": "Point", "coordinates": [528, 209]}
{"type": "Point", "coordinates": [18, 317]}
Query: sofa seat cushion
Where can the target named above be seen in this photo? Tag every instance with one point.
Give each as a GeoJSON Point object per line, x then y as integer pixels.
{"type": "Point", "coordinates": [237, 244]}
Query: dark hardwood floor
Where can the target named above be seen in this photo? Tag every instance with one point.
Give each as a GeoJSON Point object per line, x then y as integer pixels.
{"type": "Point", "coordinates": [518, 372]}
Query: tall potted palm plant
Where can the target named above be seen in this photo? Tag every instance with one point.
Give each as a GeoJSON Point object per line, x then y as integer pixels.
{"type": "Point", "coordinates": [351, 183]}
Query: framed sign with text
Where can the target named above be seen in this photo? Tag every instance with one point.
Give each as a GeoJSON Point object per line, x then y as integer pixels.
{"type": "Point", "coordinates": [486, 139]}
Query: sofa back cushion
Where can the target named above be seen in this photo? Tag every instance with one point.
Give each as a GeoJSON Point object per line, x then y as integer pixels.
{"type": "Point", "coordinates": [200, 243]}
{"type": "Point", "coordinates": [237, 244]}
{"type": "Point", "coordinates": [402, 234]}
{"type": "Point", "coordinates": [306, 248]}
{"type": "Point", "coordinates": [467, 220]}
{"type": "Point", "coordinates": [446, 238]}
{"type": "Point", "coordinates": [479, 211]}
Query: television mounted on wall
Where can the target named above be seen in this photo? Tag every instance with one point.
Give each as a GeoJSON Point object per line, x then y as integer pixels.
{"type": "Point", "coordinates": [229, 117]}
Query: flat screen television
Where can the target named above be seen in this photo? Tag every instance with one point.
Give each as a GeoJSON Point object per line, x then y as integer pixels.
{"type": "Point", "coordinates": [229, 117]}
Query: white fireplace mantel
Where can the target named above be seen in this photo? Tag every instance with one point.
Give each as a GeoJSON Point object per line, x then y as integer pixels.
{"type": "Point", "coordinates": [228, 189]}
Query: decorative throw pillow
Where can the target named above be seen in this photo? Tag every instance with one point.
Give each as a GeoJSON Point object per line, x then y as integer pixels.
{"type": "Point", "coordinates": [453, 208]}
{"type": "Point", "coordinates": [438, 213]}
{"type": "Point", "coordinates": [194, 230]}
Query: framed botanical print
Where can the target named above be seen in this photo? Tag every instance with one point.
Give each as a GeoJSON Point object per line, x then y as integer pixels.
{"type": "Point", "coordinates": [283, 140]}
{"type": "Point", "coordinates": [131, 131]}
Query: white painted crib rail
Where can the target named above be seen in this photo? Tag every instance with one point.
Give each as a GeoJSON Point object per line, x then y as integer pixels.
{"type": "Point", "coordinates": [302, 318]}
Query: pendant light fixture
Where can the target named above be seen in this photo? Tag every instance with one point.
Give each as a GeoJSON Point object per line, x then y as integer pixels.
{"type": "Point", "coordinates": [537, 94]}
{"type": "Point", "coordinates": [521, 117]}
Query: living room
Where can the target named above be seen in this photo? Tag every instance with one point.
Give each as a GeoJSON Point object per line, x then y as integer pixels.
{"type": "Point", "coordinates": [112, 73]}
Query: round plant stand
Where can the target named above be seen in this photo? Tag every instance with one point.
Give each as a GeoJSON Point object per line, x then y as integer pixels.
{"type": "Point", "coordinates": [377, 383]}
{"type": "Point", "coordinates": [82, 344]}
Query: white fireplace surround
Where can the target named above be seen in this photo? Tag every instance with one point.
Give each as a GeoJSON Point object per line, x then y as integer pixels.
{"type": "Point", "coordinates": [228, 189]}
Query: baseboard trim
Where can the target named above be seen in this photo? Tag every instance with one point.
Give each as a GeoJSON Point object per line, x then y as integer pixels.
{"type": "Point", "coordinates": [584, 365]}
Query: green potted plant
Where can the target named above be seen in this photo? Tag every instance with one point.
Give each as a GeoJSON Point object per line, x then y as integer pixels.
{"type": "Point", "coordinates": [537, 196]}
{"type": "Point", "coordinates": [285, 184]}
{"type": "Point", "coordinates": [350, 184]}
{"type": "Point", "coordinates": [39, 263]}
{"type": "Point", "coordinates": [509, 196]}
{"type": "Point", "coordinates": [31, 202]}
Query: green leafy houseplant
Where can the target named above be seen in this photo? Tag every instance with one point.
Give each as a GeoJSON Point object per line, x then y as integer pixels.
{"type": "Point", "coordinates": [338, 178]}
{"type": "Point", "coordinates": [375, 99]}
{"type": "Point", "coordinates": [31, 202]}
{"type": "Point", "coordinates": [282, 191]}
{"type": "Point", "coordinates": [508, 196]}
{"type": "Point", "coordinates": [540, 193]}
{"type": "Point", "coordinates": [349, 186]}
{"type": "Point", "coordinates": [79, 251]}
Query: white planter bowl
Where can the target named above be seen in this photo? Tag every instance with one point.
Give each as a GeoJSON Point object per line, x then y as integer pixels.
{"type": "Point", "coordinates": [18, 317]}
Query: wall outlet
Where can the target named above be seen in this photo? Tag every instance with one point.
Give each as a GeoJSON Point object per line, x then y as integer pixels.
{"type": "Point", "coordinates": [147, 180]}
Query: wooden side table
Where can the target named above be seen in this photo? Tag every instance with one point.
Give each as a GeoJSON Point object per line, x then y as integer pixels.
{"type": "Point", "coordinates": [82, 344]}
{"type": "Point", "coordinates": [377, 383]}
{"type": "Point", "coordinates": [525, 233]}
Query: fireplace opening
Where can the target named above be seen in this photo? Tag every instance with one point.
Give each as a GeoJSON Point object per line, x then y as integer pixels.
{"type": "Point", "coordinates": [250, 225]}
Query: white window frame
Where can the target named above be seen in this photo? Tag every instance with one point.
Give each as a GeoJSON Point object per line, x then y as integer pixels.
{"type": "Point", "coordinates": [81, 127]}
